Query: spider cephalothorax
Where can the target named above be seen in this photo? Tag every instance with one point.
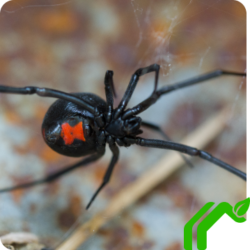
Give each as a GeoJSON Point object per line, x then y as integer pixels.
{"type": "Point", "coordinates": [80, 124]}
{"type": "Point", "coordinates": [120, 128]}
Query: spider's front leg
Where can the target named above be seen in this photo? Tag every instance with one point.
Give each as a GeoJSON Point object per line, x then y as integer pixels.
{"type": "Point", "coordinates": [110, 92]}
{"type": "Point", "coordinates": [158, 93]}
{"type": "Point", "coordinates": [99, 116]}
{"type": "Point", "coordinates": [132, 84]}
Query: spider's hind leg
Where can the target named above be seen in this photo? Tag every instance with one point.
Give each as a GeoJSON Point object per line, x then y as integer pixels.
{"type": "Point", "coordinates": [109, 171]}
{"type": "Point", "coordinates": [45, 92]}
{"type": "Point", "coordinates": [159, 130]}
{"type": "Point", "coordinates": [100, 150]}
{"type": "Point", "coordinates": [186, 150]}
{"type": "Point", "coordinates": [56, 175]}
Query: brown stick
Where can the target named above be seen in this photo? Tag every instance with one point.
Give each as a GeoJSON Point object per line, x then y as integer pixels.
{"type": "Point", "coordinates": [162, 169]}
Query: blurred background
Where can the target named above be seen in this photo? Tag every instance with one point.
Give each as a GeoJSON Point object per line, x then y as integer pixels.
{"type": "Point", "coordinates": [69, 45]}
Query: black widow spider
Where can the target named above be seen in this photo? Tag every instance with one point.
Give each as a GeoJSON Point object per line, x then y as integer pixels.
{"type": "Point", "coordinates": [80, 124]}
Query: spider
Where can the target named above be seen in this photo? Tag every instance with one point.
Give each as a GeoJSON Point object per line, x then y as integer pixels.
{"type": "Point", "coordinates": [80, 124]}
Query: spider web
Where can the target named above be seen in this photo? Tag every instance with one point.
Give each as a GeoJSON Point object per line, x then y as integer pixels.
{"type": "Point", "coordinates": [69, 45]}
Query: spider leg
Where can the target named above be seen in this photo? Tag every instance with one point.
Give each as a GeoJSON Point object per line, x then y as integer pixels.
{"type": "Point", "coordinates": [56, 175]}
{"type": "Point", "coordinates": [155, 128]}
{"type": "Point", "coordinates": [186, 150]}
{"type": "Point", "coordinates": [109, 84]}
{"type": "Point", "coordinates": [158, 93]}
{"type": "Point", "coordinates": [110, 92]}
{"type": "Point", "coordinates": [109, 171]}
{"type": "Point", "coordinates": [100, 149]}
{"type": "Point", "coordinates": [132, 84]}
{"type": "Point", "coordinates": [45, 92]}
{"type": "Point", "coordinates": [159, 130]}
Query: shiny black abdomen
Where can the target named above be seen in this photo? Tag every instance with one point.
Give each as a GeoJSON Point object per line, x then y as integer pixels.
{"type": "Point", "coordinates": [63, 111]}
